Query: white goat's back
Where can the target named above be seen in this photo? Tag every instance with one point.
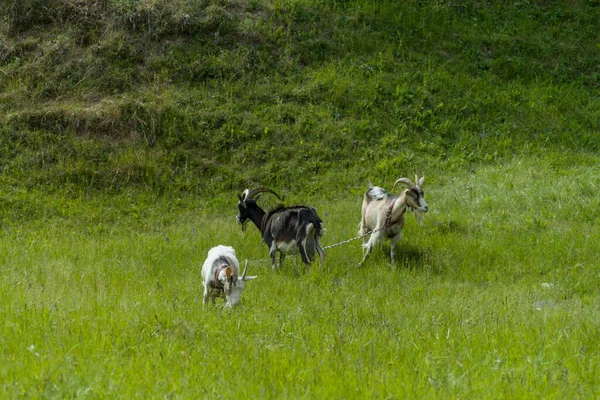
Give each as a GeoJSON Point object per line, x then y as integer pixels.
{"type": "Point", "coordinates": [376, 193]}
{"type": "Point", "coordinates": [375, 202]}
{"type": "Point", "coordinates": [214, 255]}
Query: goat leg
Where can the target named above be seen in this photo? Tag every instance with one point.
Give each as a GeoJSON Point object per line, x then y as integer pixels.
{"type": "Point", "coordinates": [367, 252]}
{"type": "Point", "coordinates": [304, 255]}
{"type": "Point", "coordinates": [369, 245]}
{"type": "Point", "coordinates": [206, 297]}
{"type": "Point", "coordinates": [321, 254]}
{"type": "Point", "coordinates": [395, 241]}
{"type": "Point", "coordinates": [273, 255]}
{"type": "Point", "coordinates": [281, 258]}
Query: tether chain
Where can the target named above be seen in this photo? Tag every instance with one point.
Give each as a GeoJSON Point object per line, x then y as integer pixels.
{"type": "Point", "coordinates": [388, 222]}
{"type": "Point", "coordinates": [332, 245]}
{"type": "Point", "coordinates": [354, 238]}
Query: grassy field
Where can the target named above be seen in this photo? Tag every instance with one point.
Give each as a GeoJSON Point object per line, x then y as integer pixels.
{"type": "Point", "coordinates": [128, 127]}
{"type": "Point", "coordinates": [495, 296]}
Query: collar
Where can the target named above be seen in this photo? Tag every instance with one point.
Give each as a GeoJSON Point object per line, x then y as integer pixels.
{"type": "Point", "coordinates": [388, 214]}
{"type": "Point", "coordinates": [217, 272]}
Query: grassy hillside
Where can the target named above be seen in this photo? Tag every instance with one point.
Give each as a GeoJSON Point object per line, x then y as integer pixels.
{"type": "Point", "coordinates": [212, 96]}
{"type": "Point", "coordinates": [128, 126]}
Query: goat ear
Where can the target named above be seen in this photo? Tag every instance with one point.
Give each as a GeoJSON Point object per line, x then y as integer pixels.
{"type": "Point", "coordinates": [249, 278]}
{"type": "Point", "coordinates": [244, 196]}
{"type": "Point", "coordinates": [421, 181]}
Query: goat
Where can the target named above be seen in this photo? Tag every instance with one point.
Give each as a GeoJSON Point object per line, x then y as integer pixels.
{"type": "Point", "coordinates": [383, 213]}
{"type": "Point", "coordinates": [287, 230]}
{"type": "Point", "coordinates": [221, 276]}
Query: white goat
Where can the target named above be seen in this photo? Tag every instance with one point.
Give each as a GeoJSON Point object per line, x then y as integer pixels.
{"type": "Point", "coordinates": [383, 213]}
{"type": "Point", "coordinates": [221, 276]}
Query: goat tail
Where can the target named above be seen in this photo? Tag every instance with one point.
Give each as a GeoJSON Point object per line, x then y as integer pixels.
{"type": "Point", "coordinates": [371, 242]}
{"type": "Point", "coordinates": [310, 228]}
{"type": "Point", "coordinates": [308, 244]}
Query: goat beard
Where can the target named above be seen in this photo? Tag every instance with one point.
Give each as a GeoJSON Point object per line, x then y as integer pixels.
{"type": "Point", "coordinates": [419, 216]}
{"type": "Point", "coordinates": [244, 227]}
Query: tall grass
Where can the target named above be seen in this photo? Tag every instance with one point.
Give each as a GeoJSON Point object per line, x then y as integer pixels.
{"type": "Point", "coordinates": [494, 296]}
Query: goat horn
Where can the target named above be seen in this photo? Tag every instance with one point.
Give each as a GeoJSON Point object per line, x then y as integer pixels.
{"type": "Point", "coordinates": [406, 181]}
{"type": "Point", "coordinates": [251, 194]}
{"type": "Point", "coordinates": [245, 268]}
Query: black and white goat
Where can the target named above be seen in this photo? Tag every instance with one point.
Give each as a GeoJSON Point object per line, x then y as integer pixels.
{"type": "Point", "coordinates": [288, 230]}
{"type": "Point", "coordinates": [221, 276]}
{"type": "Point", "coordinates": [383, 213]}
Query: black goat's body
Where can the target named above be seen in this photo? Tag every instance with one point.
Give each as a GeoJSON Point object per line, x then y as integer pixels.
{"type": "Point", "coordinates": [293, 229]}
{"type": "Point", "coordinates": [287, 230]}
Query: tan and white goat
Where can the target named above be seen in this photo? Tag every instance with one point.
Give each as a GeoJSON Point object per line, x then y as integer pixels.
{"type": "Point", "coordinates": [221, 276]}
{"type": "Point", "coordinates": [383, 214]}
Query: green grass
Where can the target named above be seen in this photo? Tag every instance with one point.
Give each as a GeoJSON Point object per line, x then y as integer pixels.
{"type": "Point", "coordinates": [128, 127]}
{"type": "Point", "coordinates": [494, 296]}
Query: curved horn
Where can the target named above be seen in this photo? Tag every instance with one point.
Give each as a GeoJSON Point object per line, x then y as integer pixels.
{"type": "Point", "coordinates": [245, 268]}
{"type": "Point", "coordinates": [251, 194]}
{"type": "Point", "coordinates": [406, 181]}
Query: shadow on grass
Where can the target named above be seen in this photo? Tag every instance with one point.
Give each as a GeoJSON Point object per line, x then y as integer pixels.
{"type": "Point", "coordinates": [408, 257]}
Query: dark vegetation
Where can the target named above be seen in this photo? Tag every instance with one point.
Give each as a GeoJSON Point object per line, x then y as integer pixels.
{"type": "Point", "coordinates": [203, 97]}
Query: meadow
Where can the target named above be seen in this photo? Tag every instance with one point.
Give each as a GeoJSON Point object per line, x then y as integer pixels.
{"type": "Point", "coordinates": [128, 127]}
{"type": "Point", "coordinates": [494, 296]}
